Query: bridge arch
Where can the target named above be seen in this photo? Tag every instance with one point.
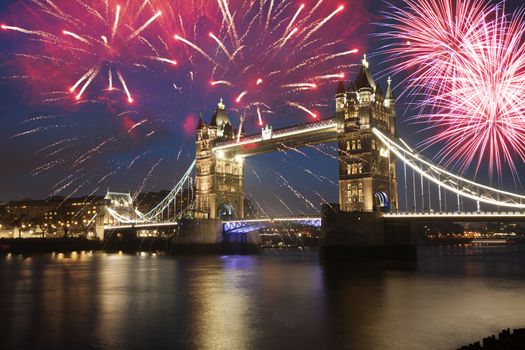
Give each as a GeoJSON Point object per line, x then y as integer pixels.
{"type": "Point", "coordinates": [226, 211]}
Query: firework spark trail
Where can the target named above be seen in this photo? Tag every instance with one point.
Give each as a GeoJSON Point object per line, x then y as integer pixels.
{"type": "Point", "coordinates": [134, 160]}
{"type": "Point", "coordinates": [110, 80]}
{"type": "Point", "coordinates": [294, 18]}
{"type": "Point", "coordinates": [29, 32]}
{"type": "Point", "coordinates": [303, 108]}
{"type": "Point", "coordinates": [89, 154]}
{"type": "Point", "coordinates": [322, 23]}
{"type": "Point", "coordinates": [136, 125]}
{"type": "Point", "coordinates": [196, 48]}
{"type": "Point", "coordinates": [294, 149]}
{"type": "Point", "coordinates": [47, 166]}
{"type": "Point", "coordinates": [86, 84]}
{"type": "Point", "coordinates": [115, 23]}
{"type": "Point", "coordinates": [259, 116]}
{"type": "Point", "coordinates": [180, 152]}
{"type": "Point", "coordinates": [57, 151]}
{"type": "Point", "coordinates": [300, 85]}
{"type": "Point", "coordinates": [146, 178]}
{"type": "Point", "coordinates": [221, 82]}
{"type": "Point", "coordinates": [258, 204]}
{"type": "Point", "coordinates": [294, 191]}
{"type": "Point", "coordinates": [40, 118]}
{"type": "Point", "coordinates": [308, 171]}
{"type": "Point", "coordinates": [57, 143]}
{"type": "Point", "coordinates": [123, 82]}
{"type": "Point", "coordinates": [221, 45]}
{"type": "Point", "coordinates": [58, 189]}
{"type": "Point", "coordinates": [84, 77]}
{"type": "Point", "coordinates": [163, 59]}
{"type": "Point", "coordinates": [318, 149]}
{"type": "Point", "coordinates": [256, 175]}
{"type": "Point", "coordinates": [284, 204]}
{"type": "Point", "coordinates": [241, 95]}
{"type": "Point", "coordinates": [467, 66]}
{"type": "Point", "coordinates": [34, 131]}
{"type": "Point", "coordinates": [72, 193]}
{"type": "Point", "coordinates": [145, 25]}
{"type": "Point", "coordinates": [288, 37]}
{"type": "Point", "coordinates": [323, 200]}
{"type": "Point", "coordinates": [76, 36]}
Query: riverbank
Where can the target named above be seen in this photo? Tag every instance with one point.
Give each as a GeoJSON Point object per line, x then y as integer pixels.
{"type": "Point", "coordinates": [46, 245]}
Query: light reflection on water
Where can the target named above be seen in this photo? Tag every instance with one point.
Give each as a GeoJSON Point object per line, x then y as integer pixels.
{"type": "Point", "coordinates": [279, 299]}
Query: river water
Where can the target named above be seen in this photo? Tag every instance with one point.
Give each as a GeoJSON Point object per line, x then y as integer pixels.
{"type": "Point", "coordinates": [279, 299]}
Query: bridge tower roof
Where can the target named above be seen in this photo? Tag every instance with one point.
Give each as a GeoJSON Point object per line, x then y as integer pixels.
{"type": "Point", "coordinates": [201, 122]}
{"type": "Point", "coordinates": [389, 93]}
{"type": "Point", "coordinates": [341, 87]}
{"type": "Point", "coordinates": [220, 117]}
{"type": "Point", "coordinates": [364, 78]}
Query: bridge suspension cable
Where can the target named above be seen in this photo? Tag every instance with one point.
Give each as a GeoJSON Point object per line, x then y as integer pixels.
{"type": "Point", "coordinates": [155, 213]}
{"type": "Point", "coordinates": [444, 179]}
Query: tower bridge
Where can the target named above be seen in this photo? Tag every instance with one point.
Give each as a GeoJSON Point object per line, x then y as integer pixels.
{"type": "Point", "coordinates": [366, 219]}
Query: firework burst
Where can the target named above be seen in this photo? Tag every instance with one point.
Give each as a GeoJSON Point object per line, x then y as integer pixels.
{"type": "Point", "coordinates": [467, 73]}
{"type": "Point", "coordinates": [263, 55]}
{"type": "Point", "coordinates": [80, 42]}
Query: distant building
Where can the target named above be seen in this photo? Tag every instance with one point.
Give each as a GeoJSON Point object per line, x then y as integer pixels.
{"type": "Point", "coordinates": [52, 216]}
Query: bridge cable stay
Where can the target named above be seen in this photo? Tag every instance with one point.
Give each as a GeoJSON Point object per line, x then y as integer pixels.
{"type": "Point", "coordinates": [158, 210]}
{"type": "Point", "coordinates": [462, 187]}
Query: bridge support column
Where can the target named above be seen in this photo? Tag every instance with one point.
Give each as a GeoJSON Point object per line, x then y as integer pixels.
{"type": "Point", "coordinates": [363, 236]}
{"type": "Point", "coordinates": [206, 236]}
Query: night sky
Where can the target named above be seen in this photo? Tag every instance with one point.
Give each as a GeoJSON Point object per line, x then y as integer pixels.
{"type": "Point", "coordinates": [171, 114]}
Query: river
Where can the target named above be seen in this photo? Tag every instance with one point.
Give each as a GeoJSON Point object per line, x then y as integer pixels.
{"type": "Point", "coordinates": [276, 300]}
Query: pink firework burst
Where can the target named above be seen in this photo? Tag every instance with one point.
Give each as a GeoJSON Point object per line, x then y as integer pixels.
{"type": "Point", "coordinates": [467, 74]}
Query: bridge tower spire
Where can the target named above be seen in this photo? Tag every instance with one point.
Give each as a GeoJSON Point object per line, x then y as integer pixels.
{"type": "Point", "coordinates": [367, 170]}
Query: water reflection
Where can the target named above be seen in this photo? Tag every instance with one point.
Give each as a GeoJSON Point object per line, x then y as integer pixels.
{"type": "Point", "coordinates": [282, 300]}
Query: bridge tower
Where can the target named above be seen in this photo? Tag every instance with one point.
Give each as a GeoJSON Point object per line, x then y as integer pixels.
{"type": "Point", "coordinates": [219, 180]}
{"type": "Point", "coordinates": [367, 170]}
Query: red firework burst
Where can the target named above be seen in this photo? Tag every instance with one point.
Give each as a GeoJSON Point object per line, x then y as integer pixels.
{"type": "Point", "coordinates": [80, 41]}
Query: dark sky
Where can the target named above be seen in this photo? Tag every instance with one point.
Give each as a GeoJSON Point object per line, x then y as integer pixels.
{"type": "Point", "coordinates": [163, 156]}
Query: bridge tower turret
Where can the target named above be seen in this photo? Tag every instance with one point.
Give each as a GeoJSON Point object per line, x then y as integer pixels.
{"type": "Point", "coordinates": [340, 103]}
{"type": "Point", "coordinates": [367, 170]}
{"type": "Point", "coordinates": [219, 180]}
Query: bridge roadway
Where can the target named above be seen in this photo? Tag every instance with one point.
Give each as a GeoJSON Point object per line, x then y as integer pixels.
{"type": "Point", "coordinates": [229, 225]}
{"type": "Point", "coordinates": [252, 224]}
{"type": "Point", "coordinates": [502, 216]}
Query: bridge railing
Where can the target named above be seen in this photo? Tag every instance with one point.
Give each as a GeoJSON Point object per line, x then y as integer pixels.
{"type": "Point", "coordinates": [278, 133]}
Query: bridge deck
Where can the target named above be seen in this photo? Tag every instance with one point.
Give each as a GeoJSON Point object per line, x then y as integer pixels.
{"type": "Point", "coordinates": [299, 135]}
{"type": "Point", "coordinates": [508, 216]}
